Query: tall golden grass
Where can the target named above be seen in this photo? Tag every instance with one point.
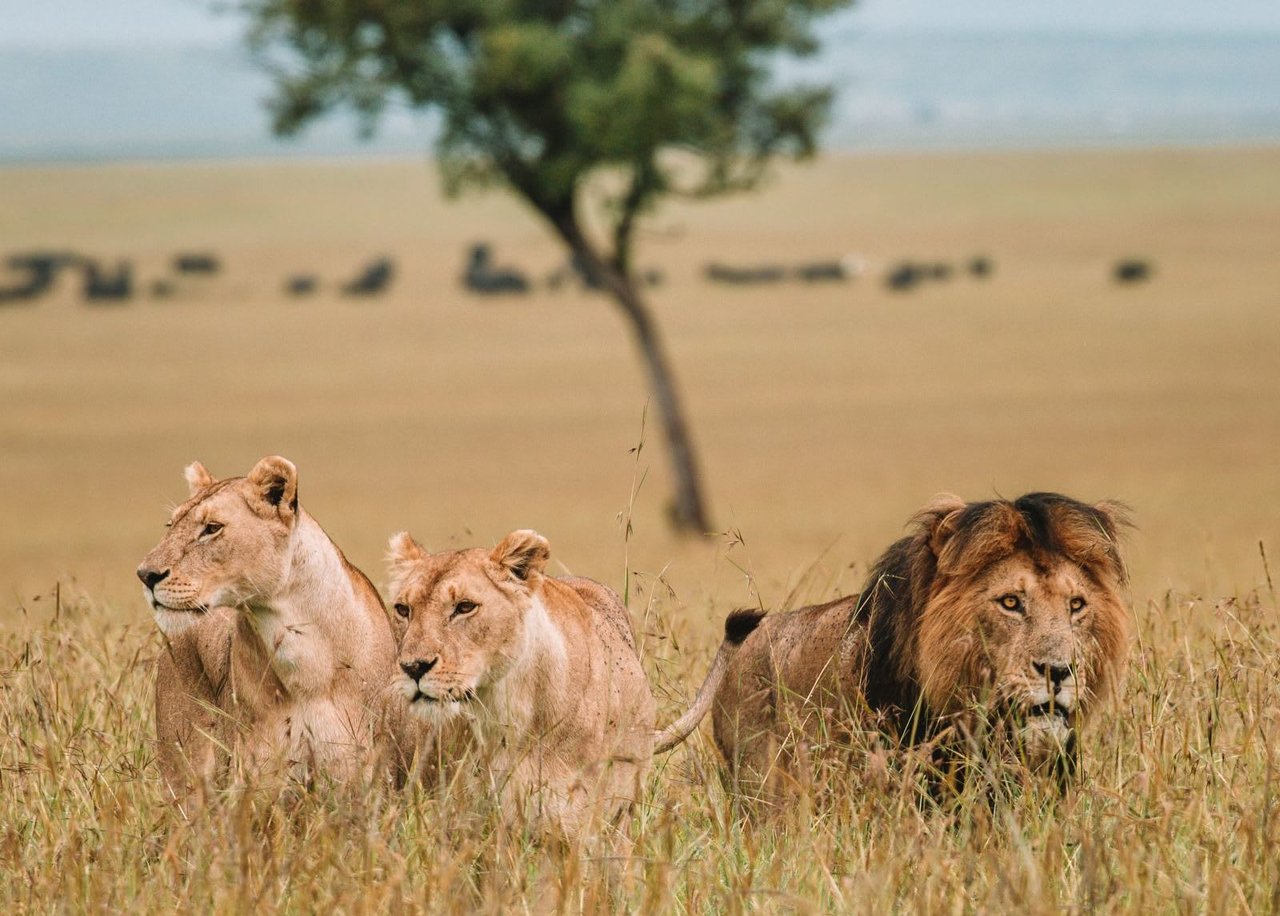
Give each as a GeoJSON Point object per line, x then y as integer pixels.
{"type": "Point", "coordinates": [1175, 808]}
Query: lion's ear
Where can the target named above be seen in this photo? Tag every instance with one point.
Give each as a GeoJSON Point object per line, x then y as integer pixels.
{"type": "Point", "coordinates": [402, 552]}
{"type": "Point", "coordinates": [197, 477]}
{"type": "Point", "coordinates": [964, 537]}
{"type": "Point", "coordinates": [275, 484]}
{"type": "Point", "coordinates": [938, 520]}
{"type": "Point", "coordinates": [1094, 537]}
{"type": "Point", "coordinates": [1115, 515]}
{"type": "Point", "coordinates": [524, 553]}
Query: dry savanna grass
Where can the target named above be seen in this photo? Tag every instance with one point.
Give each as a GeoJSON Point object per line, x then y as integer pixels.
{"type": "Point", "coordinates": [825, 416]}
{"type": "Point", "coordinates": [1175, 809]}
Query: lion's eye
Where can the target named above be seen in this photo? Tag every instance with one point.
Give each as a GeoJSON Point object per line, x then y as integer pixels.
{"type": "Point", "coordinates": [464, 607]}
{"type": "Point", "coordinates": [1078, 604]}
{"type": "Point", "coordinates": [210, 529]}
{"type": "Point", "coordinates": [402, 610]}
{"type": "Point", "coordinates": [1010, 602]}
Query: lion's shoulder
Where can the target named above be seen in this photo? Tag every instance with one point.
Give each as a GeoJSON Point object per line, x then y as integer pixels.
{"type": "Point", "coordinates": [801, 647]}
{"type": "Point", "coordinates": [802, 625]}
{"type": "Point", "coordinates": [605, 606]}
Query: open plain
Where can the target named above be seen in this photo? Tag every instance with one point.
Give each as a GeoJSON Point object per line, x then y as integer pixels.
{"type": "Point", "coordinates": [824, 413]}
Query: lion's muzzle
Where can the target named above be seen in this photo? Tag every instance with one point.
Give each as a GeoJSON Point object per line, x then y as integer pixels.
{"type": "Point", "coordinates": [424, 693]}
{"type": "Point", "coordinates": [151, 577]}
{"type": "Point", "coordinates": [1048, 713]}
{"type": "Point", "coordinates": [174, 605]}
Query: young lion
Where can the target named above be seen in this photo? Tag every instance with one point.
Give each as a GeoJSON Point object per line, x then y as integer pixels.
{"type": "Point", "coordinates": [548, 671]}
{"type": "Point", "coordinates": [277, 647]}
{"type": "Point", "coordinates": [1012, 607]}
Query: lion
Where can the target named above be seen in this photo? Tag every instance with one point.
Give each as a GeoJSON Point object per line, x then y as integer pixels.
{"type": "Point", "coordinates": [997, 618]}
{"type": "Point", "coordinates": [277, 648]}
{"type": "Point", "coordinates": [546, 670]}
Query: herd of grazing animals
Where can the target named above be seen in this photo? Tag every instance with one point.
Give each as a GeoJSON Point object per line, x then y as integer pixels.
{"type": "Point", "coordinates": [999, 625]}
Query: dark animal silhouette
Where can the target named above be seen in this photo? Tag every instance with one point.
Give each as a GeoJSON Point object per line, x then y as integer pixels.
{"type": "Point", "coordinates": [818, 271]}
{"type": "Point", "coordinates": [836, 270]}
{"type": "Point", "coordinates": [301, 285]}
{"type": "Point", "coordinates": [746, 276]}
{"type": "Point", "coordinates": [41, 269]}
{"type": "Point", "coordinates": [103, 285]}
{"type": "Point", "coordinates": [980, 266]}
{"type": "Point", "coordinates": [904, 277]}
{"type": "Point", "coordinates": [1131, 270]}
{"type": "Point", "coordinates": [373, 280]}
{"type": "Point", "coordinates": [196, 264]}
{"type": "Point", "coordinates": [481, 276]}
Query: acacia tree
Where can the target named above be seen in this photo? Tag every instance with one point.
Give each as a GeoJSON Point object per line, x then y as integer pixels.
{"type": "Point", "coordinates": [664, 97]}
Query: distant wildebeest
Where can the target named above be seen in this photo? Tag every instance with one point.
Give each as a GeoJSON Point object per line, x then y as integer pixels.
{"type": "Point", "coordinates": [746, 276]}
{"type": "Point", "coordinates": [163, 289]}
{"type": "Point", "coordinates": [481, 276]}
{"type": "Point", "coordinates": [940, 271]}
{"type": "Point", "coordinates": [301, 285]}
{"type": "Point", "coordinates": [981, 266]}
{"type": "Point", "coordinates": [106, 285]}
{"type": "Point", "coordinates": [1131, 270]}
{"type": "Point", "coordinates": [816, 271]}
{"type": "Point", "coordinates": [373, 280]}
{"type": "Point", "coordinates": [904, 277]}
{"type": "Point", "coordinates": [189, 263]}
{"type": "Point", "coordinates": [41, 269]}
{"type": "Point", "coordinates": [808, 272]}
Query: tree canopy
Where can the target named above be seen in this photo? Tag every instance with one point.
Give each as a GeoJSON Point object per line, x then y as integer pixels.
{"type": "Point", "coordinates": [539, 95]}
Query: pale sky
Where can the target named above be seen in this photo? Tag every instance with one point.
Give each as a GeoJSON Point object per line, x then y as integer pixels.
{"type": "Point", "coordinates": [113, 23]}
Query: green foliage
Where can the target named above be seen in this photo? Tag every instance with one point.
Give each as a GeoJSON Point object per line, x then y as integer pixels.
{"type": "Point", "coordinates": [539, 94]}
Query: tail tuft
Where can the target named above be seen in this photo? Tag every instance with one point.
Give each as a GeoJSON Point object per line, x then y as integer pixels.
{"type": "Point", "coordinates": [742, 623]}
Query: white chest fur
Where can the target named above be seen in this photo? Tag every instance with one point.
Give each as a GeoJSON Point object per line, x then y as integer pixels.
{"type": "Point", "coordinates": [298, 652]}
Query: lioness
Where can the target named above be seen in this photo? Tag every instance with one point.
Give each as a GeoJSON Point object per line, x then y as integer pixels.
{"type": "Point", "coordinates": [277, 648]}
{"type": "Point", "coordinates": [547, 670]}
{"type": "Point", "coordinates": [1012, 607]}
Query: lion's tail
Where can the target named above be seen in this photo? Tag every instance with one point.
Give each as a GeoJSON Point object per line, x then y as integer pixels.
{"type": "Point", "coordinates": [737, 627]}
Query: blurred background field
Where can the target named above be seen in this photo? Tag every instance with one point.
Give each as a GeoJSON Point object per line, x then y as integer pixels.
{"type": "Point", "coordinates": [825, 413]}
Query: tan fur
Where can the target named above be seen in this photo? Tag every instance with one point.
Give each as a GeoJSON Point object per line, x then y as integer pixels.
{"type": "Point", "coordinates": [545, 670]}
{"type": "Point", "coordinates": [928, 644]}
{"type": "Point", "coordinates": [277, 649]}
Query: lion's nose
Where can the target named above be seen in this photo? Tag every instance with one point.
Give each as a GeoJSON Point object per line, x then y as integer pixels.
{"type": "Point", "coordinates": [1053, 672]}
{"type": "Point", "coordinates": [150, 577]}
{"type": "Point", "coordinates": [418, 667]}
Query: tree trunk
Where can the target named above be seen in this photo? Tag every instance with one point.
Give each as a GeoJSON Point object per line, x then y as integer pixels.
{"type": "Point", "coordinates": [688, 511]}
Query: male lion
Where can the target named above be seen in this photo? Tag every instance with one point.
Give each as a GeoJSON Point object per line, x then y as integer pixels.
{"type": "Point", "coordinates": [1012, 608]}
{"type": "Point", "coordinates": [546, 669]}
{"type": "Point", "coordinates": [277, 648]}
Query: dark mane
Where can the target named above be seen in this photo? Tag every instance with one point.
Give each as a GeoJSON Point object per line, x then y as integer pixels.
{"type": "Point", "coordinates": [1045, 526]}
{"type": "Point", "coordinates": [953, 539]}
